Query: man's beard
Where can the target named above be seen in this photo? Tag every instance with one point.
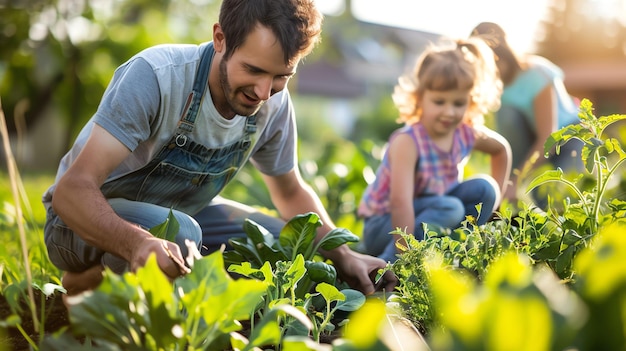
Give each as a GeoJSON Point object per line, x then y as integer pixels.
{"type": "Point", "coordinates": [231, 104]}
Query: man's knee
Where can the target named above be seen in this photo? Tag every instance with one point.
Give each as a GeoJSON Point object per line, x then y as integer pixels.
{"type": "Point", "coordinates": [189, 230]}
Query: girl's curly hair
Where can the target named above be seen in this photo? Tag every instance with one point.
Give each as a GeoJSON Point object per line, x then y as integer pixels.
{"type": "Point", "coordinates": [462, 64]}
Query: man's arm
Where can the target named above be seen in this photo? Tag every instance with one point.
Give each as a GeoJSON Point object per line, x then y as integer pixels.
{"type": "Point", "coordinates": [79, 202]}
{"type": "Point", "coordinates": [292, 196]}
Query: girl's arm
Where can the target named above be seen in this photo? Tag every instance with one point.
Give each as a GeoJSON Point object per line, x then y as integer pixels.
{"type": "Point", "coordinates": [402, 162]}
{"type": "Point", "coordinates": [494, 144]}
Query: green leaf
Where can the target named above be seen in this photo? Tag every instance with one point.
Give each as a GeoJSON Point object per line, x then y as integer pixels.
{"type": "Point", "coordinates": [353, 301]}
{"type": "Point", "coordinates": [570, 237]}
{"type": "Point", "coordinates": [271, 254]}
{"type": "Point", "coordinates": [298, 234]}
{"type": "Point", "coordinates": [11, 321]}
{"type": "Point", "coordinates": [168, 229]}
{"type": "Point", "coordinates": [615, 146]}
{"type": "Point", "coordinates": [564, 261]}
{"type": "Point", "coordinates": [49, 289]}
{"type": "Point", "coordinates": [547, 176]}
{"type": "Point", "coordinates": [247, 250]}
{"type": "Point", "coordinates": [104, 314]}
{"type": "Point", "coordinates": [257, 233]}
{"type": "Point", "coordinates": [266, 332]}
{"type": "Point", "coordinates": [363, 329]}
{"type": "Point", "coordinates": [549, 252]}
{"type": "Point", "coordinates": [295, 272]}
{"type": "Point", "coordinates": [329, 292]}
{"type": "Point", "coordinates": [212, 296]}
{"type": "Point", "coordinates": [337, 237]}
{"type": "Point", "coordinates": [244, 269]}
{"type": "Point", "coordinates": [321, 272]}
{"type": "Point", "coordinates": [303, 343]}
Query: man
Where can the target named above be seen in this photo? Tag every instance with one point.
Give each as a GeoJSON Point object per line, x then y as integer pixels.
{"type": "Point", "coordinates": [174, 126]}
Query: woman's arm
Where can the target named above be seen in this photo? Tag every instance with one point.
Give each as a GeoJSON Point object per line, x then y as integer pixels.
{"type": "Point", "coordinates": [545, 109]}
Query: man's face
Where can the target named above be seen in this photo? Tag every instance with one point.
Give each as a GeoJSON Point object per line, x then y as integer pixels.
{"type": "Point", "coordinates": [254, 73]}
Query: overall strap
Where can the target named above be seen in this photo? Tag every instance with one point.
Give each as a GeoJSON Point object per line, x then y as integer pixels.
{"type": "Point", "coordinates": [250, 127]}
{"type": "Point", "coordinates": [187, 120]}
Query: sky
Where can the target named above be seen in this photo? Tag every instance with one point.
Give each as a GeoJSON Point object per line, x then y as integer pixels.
{"type": "Point", "coordinates": [454, 18]}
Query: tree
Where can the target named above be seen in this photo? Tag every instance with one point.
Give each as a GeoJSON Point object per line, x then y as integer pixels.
{"type": "Point", "coordinates": [584, 30]}
{"type": "Point", "coordinates": [58, 56]}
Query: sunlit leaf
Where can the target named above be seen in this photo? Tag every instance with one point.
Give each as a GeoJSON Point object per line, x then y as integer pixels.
{"type": "Point", "coordinates": [353, 300]}
{"type": "Point", "coordinates": [298, 234]}
{"type": "Point", "coordinates": [168, 229]}
{"type": "Point", "coordinates": [337, 237]}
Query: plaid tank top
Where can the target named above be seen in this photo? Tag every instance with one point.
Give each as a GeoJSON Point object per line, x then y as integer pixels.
{"type": "Point", "coordinates": [436, 173]}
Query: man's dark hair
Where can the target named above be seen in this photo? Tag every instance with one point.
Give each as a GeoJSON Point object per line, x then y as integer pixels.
{"type": "Point", "coordinates": [297, 24]}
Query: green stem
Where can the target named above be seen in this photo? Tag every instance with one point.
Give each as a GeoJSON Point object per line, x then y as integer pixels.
{"type": "Point", "coordinates": [32, 343]}
{"type": "Point", "coordinates": [602, 184]}
{"type": "Point", "coordinates": [599, 190]}
{"type": "Point", "coordinates": [14, 177]}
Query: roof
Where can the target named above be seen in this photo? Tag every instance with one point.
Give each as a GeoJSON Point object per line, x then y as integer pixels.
{"type": "Point", "coordinates": [378, 55]}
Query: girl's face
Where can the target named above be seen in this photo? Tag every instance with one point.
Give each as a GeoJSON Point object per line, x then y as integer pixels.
{"type": "Point", "coordinates": [443, 111]}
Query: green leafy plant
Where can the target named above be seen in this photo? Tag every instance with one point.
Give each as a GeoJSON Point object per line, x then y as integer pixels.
{"type": "Point", "coordinates": [292, 267]}
{"type": "Point", "coordinates": [551, 239]}
{"type": "Point", "coordinates": [281, 284]}
{"type": "Point", "coordinates": [601, 156]}
{"type": "Point", "coordinates": [296, 238]}
{"type": "Point", "coordinates": [582, 217]}
{"type": "Point", "coordinates": [518, 306]}
{"type": "Point", "coordinates": [347, 300]}
{"type": "Point", "coordinates": [145, 311]}
{"type": "Point", "coordinates": [601, 284]}
{"type": "Point", "coordinates": [31, 272]}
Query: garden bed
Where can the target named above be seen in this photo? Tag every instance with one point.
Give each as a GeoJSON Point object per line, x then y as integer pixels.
{"type": "Point", "coordinates": [56, 318]}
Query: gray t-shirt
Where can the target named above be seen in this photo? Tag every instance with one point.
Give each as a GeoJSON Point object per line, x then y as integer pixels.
{"type": "Point", "coordinates": [144, 101]}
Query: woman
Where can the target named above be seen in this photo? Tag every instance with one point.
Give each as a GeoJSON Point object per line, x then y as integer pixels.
{"type": "Point", "coordinates": [534, 104]}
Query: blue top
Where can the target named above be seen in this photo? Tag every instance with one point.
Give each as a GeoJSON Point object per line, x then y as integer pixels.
{"type": "Point", "coordinates": [529, 83]}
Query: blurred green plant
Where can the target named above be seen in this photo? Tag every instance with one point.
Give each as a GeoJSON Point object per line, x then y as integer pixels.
{"type": "Point", "coordinates": [466, 259]}
{"type": "Point", "coordinates": [24, 268]}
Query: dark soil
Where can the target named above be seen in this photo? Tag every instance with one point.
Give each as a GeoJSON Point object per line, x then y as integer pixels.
{"type": "Point", "coordinates": [55, 318]}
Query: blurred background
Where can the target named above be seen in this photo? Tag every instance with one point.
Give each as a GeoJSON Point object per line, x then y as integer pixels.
{"type": "Point", "coordinates": [57, 57]}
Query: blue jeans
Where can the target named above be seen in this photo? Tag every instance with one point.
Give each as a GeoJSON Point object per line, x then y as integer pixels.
{"type": "Point", "coordinates": [69, 252]}
{"type": "Point", "coordinates": [210, 229]}
{"type": "Point", "coordinates": [447, 211]}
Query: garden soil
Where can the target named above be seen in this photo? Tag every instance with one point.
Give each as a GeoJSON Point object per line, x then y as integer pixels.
{"type": "Point", "coordinates": [56, 317]}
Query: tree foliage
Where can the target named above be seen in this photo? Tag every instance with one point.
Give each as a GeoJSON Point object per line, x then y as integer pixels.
{"type": "Point", "coordinates": [584, 30]}
{"type": "Point", "coordinates": [58, 56]}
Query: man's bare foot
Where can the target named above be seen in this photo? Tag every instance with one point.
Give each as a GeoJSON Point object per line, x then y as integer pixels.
{"type": "Point", "coordinates": [78, 282]}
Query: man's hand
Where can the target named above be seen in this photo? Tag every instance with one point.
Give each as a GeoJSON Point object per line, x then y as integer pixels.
{"type": "Point", "coordinates": [360, 270]}
{"type": "Point", "coordinates": [169, 257]}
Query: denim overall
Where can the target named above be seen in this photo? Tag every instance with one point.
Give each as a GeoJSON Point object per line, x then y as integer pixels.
{"type": "Point", "coordinates": [184, 176]}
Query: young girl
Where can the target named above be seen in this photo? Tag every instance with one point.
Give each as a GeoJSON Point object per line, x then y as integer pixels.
{"type": "Point", "coordinates": [419, 181]}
